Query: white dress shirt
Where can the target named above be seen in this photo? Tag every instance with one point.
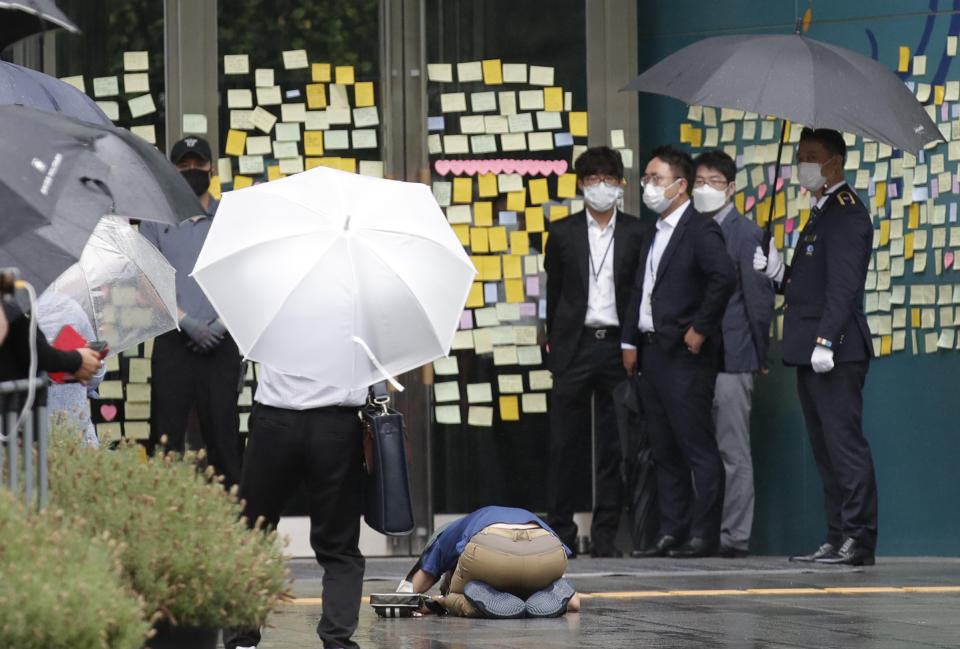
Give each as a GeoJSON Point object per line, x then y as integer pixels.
{"type": "Point", "coordinates": [281, 390]}
{"type": "Point", "coordinates": [826, 194]}
{"type": "Point", "coordinates": [665, 227]}
{"type": "Point", "coordinates": [602, 295]}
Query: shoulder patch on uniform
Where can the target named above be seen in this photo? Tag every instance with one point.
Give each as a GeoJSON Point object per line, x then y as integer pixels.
{"type": "Point", "coordinates": [846, 197]}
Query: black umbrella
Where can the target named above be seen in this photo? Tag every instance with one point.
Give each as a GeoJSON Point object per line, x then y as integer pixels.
{"type": "Point", "coordinates": [72, 173]}
{"type": "Point", "coordinates": [798, 79]}
{"type": "Point", "coordinates": [26, 87]}
{"type": "Point", "coordinates": [636, 468]}
{"type": "Point", "coordinates": [22, 18]}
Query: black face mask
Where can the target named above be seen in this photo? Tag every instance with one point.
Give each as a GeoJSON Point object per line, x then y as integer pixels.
{"type": "Point", "coordinates": [198, 179]}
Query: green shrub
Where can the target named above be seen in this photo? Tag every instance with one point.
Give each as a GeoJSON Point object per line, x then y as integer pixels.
{"type": "Point", "coordinates": [185, 550]}
{"type": "Point", "coordinates": [61, 589]}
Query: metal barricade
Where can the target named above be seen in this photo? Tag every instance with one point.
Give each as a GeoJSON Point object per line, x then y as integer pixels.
{"type": "Point", "coordinates": [17, 449]}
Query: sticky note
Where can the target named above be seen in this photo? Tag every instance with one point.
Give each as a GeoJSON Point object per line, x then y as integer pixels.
{"type": "Point", "coordinates": [475, 297]}
{"type": "Point", "coordinates": [313, 143]}
{"type": "Point", "coordinates": [446, 366]}
{"type": "Point", "coordinates": [514, 290]}
{"type": "Point", "coordinates": [142, 105]}
{"type": "Point", "coordinates": [512, 265]}
{"type": "Point", "coordinates": [236, 64]}
{"type": "Point", "coordinates": [533, 217]}
{"type": "Point", "coordinates": [479, 240]}
{"type": "Point", "coordinates": [295, 59]}
{"type": "Point", "coordinates": [440, 72]}
{"type": "Point", "coordinates": [519, 243]}
{"type": "Point", "coordinates": [316, 96]}
{"type": "Point", "coordinates": [483, 213]}
{"type": "Point", "coordinates": [448, 414]}
{"type": "Point", "coordinates": [578, 123]}
{"type": "Point", "coordinates": [509, 408]}
{"type": "Point", "coordinates": [344, 74]}
{"type": "Point", "coordinates": [487, 185]}
{"type": "Point", "coordinates": [236, 143]}
{"type": "Point", "coordinates": [363, 94]}
{"type": "Point", "coordinates": [539, 191]}
{"type": "Point", "coordinates": [480, 416]}
{"type": "Point", "coordinates": [534, 402]}
{"type": "Point", "coordinates": [516, 201]}
{"type": "Point", "coordinates": [463, 190]}
{"type": "Point", "coordinates": [135, 60]}
{"type": "Point", "coordinates": [510, 383]}
{"type": "Point", "coordinates": [492, 72]}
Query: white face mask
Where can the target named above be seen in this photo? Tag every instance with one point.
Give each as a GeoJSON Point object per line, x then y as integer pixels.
{"type": "Point", "coordinates": [654, 197]}
{"type": "Point", "coordinates": [600, 197]}
{"type": "Point", "coordinates": [708, 199]}
{"type": "Point", "coordinates": [810, 177]}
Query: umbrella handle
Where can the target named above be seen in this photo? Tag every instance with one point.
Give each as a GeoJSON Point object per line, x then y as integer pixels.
{"type": "Point", "coordinates": [376, 363]}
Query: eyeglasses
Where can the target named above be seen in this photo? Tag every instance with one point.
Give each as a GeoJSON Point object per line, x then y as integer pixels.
{"type": "Point", "coordinates": [655, 179]}
{"type": "Point", "coordinates": [593, 179]}
{"type": "Point", "coordinates": [716, 183]}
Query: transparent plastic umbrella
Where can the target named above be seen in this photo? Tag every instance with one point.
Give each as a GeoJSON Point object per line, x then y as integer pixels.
{"type": "Point", "coordinates": [125, 286]}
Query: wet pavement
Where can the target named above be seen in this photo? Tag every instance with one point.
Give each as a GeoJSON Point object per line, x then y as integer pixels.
{"type": "Point", "coordinates": [757, 602]}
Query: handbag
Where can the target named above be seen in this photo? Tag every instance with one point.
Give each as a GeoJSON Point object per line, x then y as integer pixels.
{"type": "Point", "coordinates": [386, 486]}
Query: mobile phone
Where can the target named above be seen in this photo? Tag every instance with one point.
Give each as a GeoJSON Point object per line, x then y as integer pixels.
{"type": "Point", "coordinates": [99, 346]}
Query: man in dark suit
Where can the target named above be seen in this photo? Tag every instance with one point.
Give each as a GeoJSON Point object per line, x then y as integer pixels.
{"type": "Point", "coordinates": [682, 286]}
{"type": "Point", "coordinates": [825, 335]}
{"type": "Point", "coordinates": [746, 336]}
{"type": "Point", "coordinates": [591, 259]}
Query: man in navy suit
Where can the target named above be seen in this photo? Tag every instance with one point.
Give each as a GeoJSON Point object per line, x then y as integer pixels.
{"type": "Point", "coordinates": [683, 283]}
{"type": "Point", "coordinates": [825, 335]}
{"type": "Point", "coordinates": [746, 335]}
{"type": "Point", "coordinates": [591, 259]}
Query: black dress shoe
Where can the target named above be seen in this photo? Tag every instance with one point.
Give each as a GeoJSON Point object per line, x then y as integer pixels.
{"type": "Point", "coordinates": [694, 548]}
{"type": "Point", "coordinates": [851, 553]}
{"type": "Point", "coordinates": [824, 551]}
{"type": "Point", "coordinates": [663, 545]}
{"type": "Point", "coordinates": [728, 552]}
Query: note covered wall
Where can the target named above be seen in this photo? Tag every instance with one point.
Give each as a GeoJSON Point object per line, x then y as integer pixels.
{"type": "Point", "coordinates": [912, 289]}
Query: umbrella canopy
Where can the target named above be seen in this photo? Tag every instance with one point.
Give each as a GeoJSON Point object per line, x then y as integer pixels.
{"type": "Point", "coordinates": [124, 285]}
{"type": "Point", "coordinates": [798, 79]}
{"type": "Point", "coordinates": [26, 87]}
{"type": "Point", "coordinates": [339, 277]}
{"type": "Point", "coordinates": [72, 173]}
{"type": "Point", "coordinates": [21, 18]}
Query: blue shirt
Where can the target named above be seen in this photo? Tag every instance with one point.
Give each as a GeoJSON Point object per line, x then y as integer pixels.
{"type": "Point", "coordinates": [443, 553]}
{"type": "Point", "coordinates": [181, 245]}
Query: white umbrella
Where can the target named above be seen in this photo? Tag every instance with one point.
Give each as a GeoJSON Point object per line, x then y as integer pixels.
{"type": "Point", "coordinates": [342, 278]}
{"type": "Point", "coordinates": [124, 285]}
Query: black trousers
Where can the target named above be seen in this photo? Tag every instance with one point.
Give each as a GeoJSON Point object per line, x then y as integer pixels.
{"type": "Point", "coordinates": [322, 449]}
{"type": "Point", "coordinates": [182, 379]}
{"type": "Point", "coordinates": [596, 368]}
{"type": "Point", "coordinates": [832, 405]}
{"type": "Point", "coordinates": [677, 392]}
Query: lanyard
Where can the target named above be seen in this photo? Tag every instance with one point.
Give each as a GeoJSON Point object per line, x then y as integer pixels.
{"type": "Point", "coordinates": [596, 273]}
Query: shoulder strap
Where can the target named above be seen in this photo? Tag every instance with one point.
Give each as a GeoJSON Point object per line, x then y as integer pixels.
{"type": "Point", "coordinates": [378, 396]}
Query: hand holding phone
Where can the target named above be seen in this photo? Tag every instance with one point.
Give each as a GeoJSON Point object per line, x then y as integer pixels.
{"type": "Point", "coordinates": [99, 346]}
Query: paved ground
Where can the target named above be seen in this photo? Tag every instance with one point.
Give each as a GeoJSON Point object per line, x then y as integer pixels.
{"type": "Point", "coordinates": [758, 602]}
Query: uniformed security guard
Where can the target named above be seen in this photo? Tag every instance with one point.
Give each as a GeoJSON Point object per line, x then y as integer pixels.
{"type": "Point", "coordinates": [825, 335]}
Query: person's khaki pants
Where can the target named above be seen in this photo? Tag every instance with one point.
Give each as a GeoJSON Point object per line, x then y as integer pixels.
{"type": "Point", "coordinates": [517, 561]}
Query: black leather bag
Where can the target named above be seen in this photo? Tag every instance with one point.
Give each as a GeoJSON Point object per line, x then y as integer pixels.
{"type": "Point", "coordinates": [386, 488]}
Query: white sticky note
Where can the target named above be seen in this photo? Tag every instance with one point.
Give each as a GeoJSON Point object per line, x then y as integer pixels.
{"type": "Point", "coordinates": [239, 98]}
{"type": "Point", "coordinates": [263, 77]}
{"type": "Point", "coordinates": [336, 140]}
{"type": "Point", "coordinates": [470, 71]}
{"type": "Point", "coordinates": [195, 123]}
{"type": "Point", "coordinates": [295, 59]}
{"type": "Point", "coordinates": [258, 145]}
{"type": "Point", "coordinates": [364, 138]}
{"type": "Point", "coordinates": [541, 75]}
{"type": "Point", "coordinates": [479, 393]}
{"type": "Point", "coordinates": [296, 112]}
{"type": "Point", "coordinates": [366, 116]}
{"type": "Point", "coordinates": [225, 171]}
{"type": "Point", "coordinates": [481, 102]}
{"type": "Point", "coordinates": [446, 391]}
{"type": "Point", "coordinates": [106, 86]}
{"type": "Point", "coordinates": [263, 119]}
{"type": "Point", "coordinates": [269, 96]}
{"type": "Point", "coordinates": [241, 120]}
{"type": "Point", "coordinates": [135, 60]}
{"type": "Point", "coordinates": [283, 150]}
{"type": "Point", "coordinates": [137, 82]}
{"type": "Point", "coordinates": [142, 105]}
{"type": "Point", "coordinates": [514, 72]}
{"type": "Point", "coordinates": [372, 168]}
{"type": "Point", "coordinates": [75, 81]}
{"type": "Point", "coordinates": [440, 72]}
{"type": "Point", "coordinates": [146, 131]}
{"type": "Point", "coordinates": [508, 102]}
{"type": "Point", "coordinates": [251, 164]}
{"type": "Point", "coordinates": [287, 132]}
{"type": "Point", "coordinates": [448, 414]}
{"type": "Point", "coordinates": [453, 102]}
{"type": "Point", "coordinates": [111, 109]}
{"type": "Point", "coordinates": [236, 64]}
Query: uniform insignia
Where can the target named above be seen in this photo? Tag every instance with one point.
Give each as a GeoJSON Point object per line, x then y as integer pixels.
{"type": "Point", "coordinates": [809, 250]}
{"type": "Point", "coordinates": [845, 197]}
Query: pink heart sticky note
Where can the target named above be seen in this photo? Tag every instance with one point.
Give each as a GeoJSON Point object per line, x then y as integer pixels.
{"type": "Point", "coordinates": [761, 191]}
{"type": "Point", "coordinates": [947, 259]}
{"type": "Point", "coordinates": [751, 201]}
{"type": "Point", "coordinates": [779, 184]}
{"type": "Point", "coordinates": [442, 167]}
{"type": "Point", "coordinates": [108, 411]}
{"type": "Point", "coordinates": [560, 167]}
{"type": "Point", "coordinates": [456, 167]}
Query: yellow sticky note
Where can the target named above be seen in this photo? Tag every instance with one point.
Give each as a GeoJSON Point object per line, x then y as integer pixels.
{"type": "Point", "coordinates": [904, 64]}
{"type": "Point", "coordinates": [804, 217]}
{"type": "Point", "coordinates": [313, 143]}
{"type": "Point", "coordinates": [519, 244]}
{"type": "Point", "coordinates": [884, 232]}
{"type": "Point", "coordinates": [344, 74]}
{"type": "Point", "coordinates": [316, 96]}
{"type": "Point", "coordinates": [348, 164]}
{"type": "Point", "coordinates": [516, 201]}
{"type": "Point", "coordinates": [567, 186]}
{"type": "Point", "coordinates": [539, 192]}
{"type": "Point", "coordinates": [578, 123]}
{"type": "Point", "coordinates": [908, 245]}
{"type": "Point", "coordinates": [273, 172]}
{"type": "Point", "coordinates": [886, 345]}
{"type": "Point", "coordinates": [363, 94]}
{"type": "Point", "coordinates": [498, 239]}
{"type": "Point", "coordinates": [312, 163]}
{"type": "Point", "coordinates": [483, 213]}
{"type": "Point", "coordinates": [553, 100]}
{"type": "Point", "coordinates": [938, 93]}
{"type": "Point", "coordinates": [514, 288]}
{"type": "Point", "coordinates": [320, 72]}
{"type": "Point", "coordinates": [915, 318]}
{"type": "Point", "coordinates": [462, 230]}
{"type": "Point", "coordinates": [236, 143]}
{"type": "Point", "coordinates": [557, 212]}
{"type": "Point", "coordinates": [492, 72]}
{"type": "Point", "coordinates": [487, 185]}
{"type": "Point", "coordinates": [475, 299]}
{"type": "Point", "coordinates": [685, 130]}
{"type": "Point", "coordinates": [509, 408]}
{"type": "Point", "coordinates": [214, 188]}
{"type": "Point", "coordinates": [739, 201]}
{"type": "Point", "coordinates": [781, 210]}
{"type": "Point", "coordinates": [463, 190]}
{"type": "Point", "coordinates": [491, 268]}
{"type": "Point", "coordinates": [778, 232]}
{"type": "Point", "coordinates": [696, 138]}
{"type": "Point", "coordinates": [239, 182]}
{"type": "Point", "coordinates": [534, 219]}
{"type": "Point", "coordinates": [479, 240]}
{"type": "Point", "coordinates": [513, 265]}
{"type": "Point", "coordinates": [913, 221]}
{"type": "Point", "coordinates": [881, 195]}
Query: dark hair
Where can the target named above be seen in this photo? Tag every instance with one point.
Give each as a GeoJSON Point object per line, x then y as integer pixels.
{"type": "Point", "coordinates": [831, 140]}
{"type": "Point", "coordinates": [718, 161]}
{"type": "Point", "coordinates": [681, 164]}
{"type": "Point", "coordinates": [600, 160]}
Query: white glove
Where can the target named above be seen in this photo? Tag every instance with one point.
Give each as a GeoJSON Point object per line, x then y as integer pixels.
{"type": "Point", "coordinates": [769, 264]}
{"type": "Point", "coordinates": [822, 359]}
